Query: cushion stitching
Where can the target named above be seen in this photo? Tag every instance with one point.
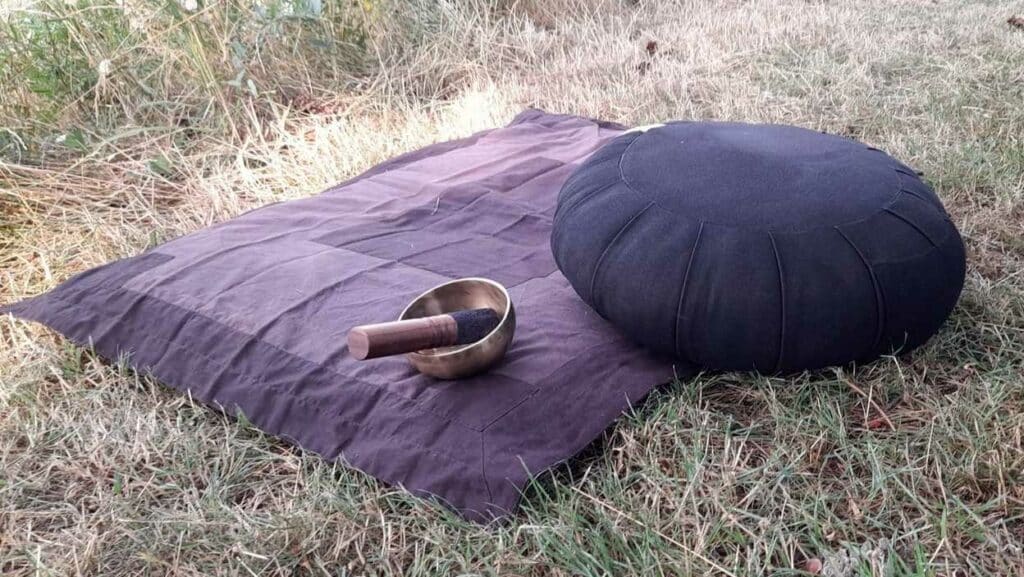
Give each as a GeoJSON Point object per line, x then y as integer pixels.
{"type": "Point", "coordinates": [886, 205]}
{"type": "Point", "coordinates": [880, 320]}
{"type": "Point", "coordinates": [917, 196]}
{"type": "Point", "coordinates": [600, 260]}
{"type": "Point", "coordinates": [561, 214]}
{"type": "Point", "coordinates": [682, 294]}
{"type": "Point", "coordinates": [912, 225]}
{"type": "Point", "coordinates": [782, 296]}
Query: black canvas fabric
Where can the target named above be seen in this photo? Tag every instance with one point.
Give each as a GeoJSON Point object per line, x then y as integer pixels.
{"type": "Point", "coordinates": [736, 246]}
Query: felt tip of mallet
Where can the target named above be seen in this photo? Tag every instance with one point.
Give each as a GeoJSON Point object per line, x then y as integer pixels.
{"type": "Point", "coordinates": [394, 338]}
{"type": "Point", "coordinates": [474, 324]}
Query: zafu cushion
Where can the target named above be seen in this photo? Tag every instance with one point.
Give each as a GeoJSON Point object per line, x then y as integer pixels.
{"type": "Point", "coordinates": [774, 248]}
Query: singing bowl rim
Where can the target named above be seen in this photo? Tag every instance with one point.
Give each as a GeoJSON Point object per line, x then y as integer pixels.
{"type": "Point", "coordinates": [436, 364]}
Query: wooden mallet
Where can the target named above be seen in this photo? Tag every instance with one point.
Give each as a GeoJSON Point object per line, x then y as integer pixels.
{"type": "Point", "coordinates": [394, 338]}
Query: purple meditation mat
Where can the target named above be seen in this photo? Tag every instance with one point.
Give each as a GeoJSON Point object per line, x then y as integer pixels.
{"type": "Point", "coordinates": [251, 315]}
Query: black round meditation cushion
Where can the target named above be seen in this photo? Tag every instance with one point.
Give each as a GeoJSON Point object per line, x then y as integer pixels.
{"type": "Point", "coordinates": [736, 246]}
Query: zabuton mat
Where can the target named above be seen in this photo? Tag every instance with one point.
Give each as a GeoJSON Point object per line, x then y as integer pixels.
{"type": "Point", "coordinates": [251, 315]}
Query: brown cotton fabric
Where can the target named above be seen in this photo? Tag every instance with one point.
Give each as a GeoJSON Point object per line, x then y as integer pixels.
{"type": "Point", "coordinates": [251, 315]}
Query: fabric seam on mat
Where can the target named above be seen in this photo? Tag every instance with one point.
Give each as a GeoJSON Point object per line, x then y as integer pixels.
{"type": "Point", "coordinates": [483, 468]}
{"type": "Point", "coordinates": [386, 391]}
{"type": "Point", "coordinates": [538, 388]}
{"type": "Point", "coordinates": [256, 381]}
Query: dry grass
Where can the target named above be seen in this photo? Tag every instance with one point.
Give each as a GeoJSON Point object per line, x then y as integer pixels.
{"type": "Point", "coordinates": [905, 467]}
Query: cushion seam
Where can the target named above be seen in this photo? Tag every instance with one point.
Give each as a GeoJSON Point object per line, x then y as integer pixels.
{"type": "Point", "coordinates": [604, 253]}
{"type": "Point", "coordinates": [913, 226]}
{"type": "Point", "coordinates": [880, 317]}
{"type": "Point", "coordinates": [782, 305]}
{"type": "Point", "coordinates": [682, 294]}
{"type": "Point", "coordinates": [885, 206]}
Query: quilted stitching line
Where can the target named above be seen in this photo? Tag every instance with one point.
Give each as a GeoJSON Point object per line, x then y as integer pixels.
{"type": "Point", "coordinates": [889, 203]}
{"type": "Point", "coordinates": [256, 380]}
{"type": "Point", "coordinates": [682, 293]}
{"type": "Point", "coordinates": [615, 239]}
{"type": "Point", "coordinates": [782, 304]}
{"type": "Point", "coordinates": [912, 225]}
{"type": "Point", "coordinates": [342, 450]}
{"type": "Point", "coordinates": [538, 388]}
{"type": "Point", "coordinates": [880, 320]}
{"type": "Point", "coordinates": [278, 389]}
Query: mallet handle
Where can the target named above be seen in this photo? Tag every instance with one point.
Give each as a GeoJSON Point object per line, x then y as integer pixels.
{"type": "Point", "coordinates": [397, 337]}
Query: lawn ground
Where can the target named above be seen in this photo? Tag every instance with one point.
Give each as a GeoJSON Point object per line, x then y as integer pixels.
{"type": "Point", "coordinates": [123, 124]}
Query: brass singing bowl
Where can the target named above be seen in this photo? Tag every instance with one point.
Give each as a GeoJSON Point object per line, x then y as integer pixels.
{"type": "Point", "coordinates": [463, 360]}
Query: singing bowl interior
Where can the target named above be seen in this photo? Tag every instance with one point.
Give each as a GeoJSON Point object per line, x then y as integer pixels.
{"type": "Point", "coordinates": [464, 360]}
